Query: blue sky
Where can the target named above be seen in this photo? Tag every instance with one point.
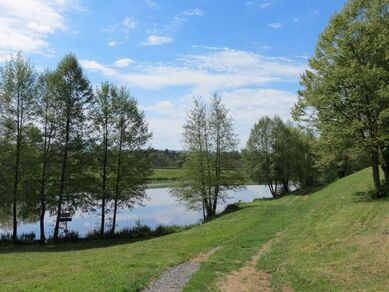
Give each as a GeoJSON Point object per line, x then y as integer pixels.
{"type": "Point", "coordinates": [166, 52]}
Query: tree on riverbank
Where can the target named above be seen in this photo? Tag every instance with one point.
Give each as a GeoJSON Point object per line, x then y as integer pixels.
{"type": "Point", "coordinates": [210, 170]}
{"type": "Point", "coordinates": [133, 165]}
{"type": "Point", "coordinates": [346, 88]}
{"type": "Point", "coordinates": [277, 153]}
{"type": "Point", "coordinates": [73, 92]}
{"type": "Point", "coordinates": [17, 99]}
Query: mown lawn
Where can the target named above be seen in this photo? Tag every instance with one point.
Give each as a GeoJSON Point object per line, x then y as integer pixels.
{"type": "Point", "coordinates": [332, 240]}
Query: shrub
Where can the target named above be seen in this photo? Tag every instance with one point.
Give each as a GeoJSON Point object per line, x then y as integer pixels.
{"type": "Point", "coordinates": [5, 236]}
{"type": "Point", "coordinates": [72, 236]}
{"type": "Point", "coordinates": [230, 208]}
{"type": "Point", "coordinates": [27, 236]}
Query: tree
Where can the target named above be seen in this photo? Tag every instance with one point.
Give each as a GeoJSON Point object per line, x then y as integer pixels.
{"type": "Point", "coordinates": [47, 113]}
{"type": "Point", "coordinates": [17, 98]}
{"type": "Point", "coordinates": [73, 93]}
{"type": "Point", "coordinates": [102, 115]}
{"type": "Point", "coordinates": [260, 155]}
{"type": "Point", "coordinates": [132, 164]}
{"type": "Point", "coordinates": [347, 86]}
{"type": "Point", "coordinates": [210, 169]}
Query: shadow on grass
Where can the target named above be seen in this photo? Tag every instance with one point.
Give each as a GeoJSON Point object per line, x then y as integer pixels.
{"type": "Point", "coordinates": [370, 196]}
{"type": "Point", "coordinates": [63, 246]}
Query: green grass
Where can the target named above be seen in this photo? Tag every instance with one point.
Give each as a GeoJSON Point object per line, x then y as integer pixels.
{"type": "Point", "coordinates": [332, 240]}
{"type": "Point", "coordinates": [164, 177]}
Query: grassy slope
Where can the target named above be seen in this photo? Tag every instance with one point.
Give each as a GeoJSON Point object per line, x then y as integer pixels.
{"type": "Point", "coordinates": [332, 240]}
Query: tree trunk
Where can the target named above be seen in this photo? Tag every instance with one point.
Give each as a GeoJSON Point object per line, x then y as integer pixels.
{"type": "Point", "coordinates": [117, 187]}
{"type": "Point", "coordinates": [385, 166]}
{"type": "Point", "coordinates": [42, 221]}
{"type": "Point", "coordinates": [63, 177]}
{"type": "Point", "coordinates": [104, 180]}
{"type": "Point", "coordinates": [376, 170]}
{"type": "Point", "coordinates": [19, 127]}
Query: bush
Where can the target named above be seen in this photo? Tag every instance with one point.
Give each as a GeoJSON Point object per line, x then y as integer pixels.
{"type": "Point", "coordinates": [163, 229]}
{"type": "Point", "coordinates": [5, 236]}
{"type": "Point", "coordinates": [230, 208]}
{"type": "Point", "coordinates": [27, 236]}
{"type": "Point", "coordinates": [72, 236]}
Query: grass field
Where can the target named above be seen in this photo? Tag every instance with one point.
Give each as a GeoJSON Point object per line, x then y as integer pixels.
{"type": "Point", "coordinates": [165, 176]}
{"type": "Point", "coordinates": [334, 239]}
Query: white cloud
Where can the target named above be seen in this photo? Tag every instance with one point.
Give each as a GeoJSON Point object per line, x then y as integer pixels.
{"type": "Point", "coordinates": [193, 12]}
{"type": "Point", "coordinates": [215, 70]}
{"type": "Point", "coordinates": [242, 78]}
{"type": "Point", "coordinates": [275, 25]}
{"type": "Point", "coordinates": [96, 67]}
{"type": "Point", "coordinates": [265, 5]}
{"type": "Point", "coordinates": [112, 44]}
{"type": "Point", "coordinates": [25, 25]}
{"type": "Point", "coordinates": [154, 40]}
{"type": "Point", "coordinates": [129, 23]}
{"type": "Point", "coordinates": [122, 63]}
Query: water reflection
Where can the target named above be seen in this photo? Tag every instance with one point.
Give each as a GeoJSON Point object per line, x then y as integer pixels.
{"type": "Point", "coordinates": [161, 208]}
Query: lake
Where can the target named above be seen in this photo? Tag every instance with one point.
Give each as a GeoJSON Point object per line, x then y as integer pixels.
{"type": "Point", "coordinates": [160, 208]}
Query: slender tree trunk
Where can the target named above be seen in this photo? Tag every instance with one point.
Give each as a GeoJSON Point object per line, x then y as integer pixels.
{"type": "Point", "coordinates": [63, 177]}
{"type": "Point", "coordinates": [385, 166]}
{"type": "Point", "coordinates": [117, 187]}
{"type": "Point", "coordinates": [42, 238]}
{"type": "Point", "coordinates": [104, 180]}
{"type": "Point", "coordinates": [19, 129]}
{"type": "Point", "coordinates": [376, 170]}
{"type": "Point", "coordinates": [15, 191]}
{"type": "Point", "coordinates": [43, 202]}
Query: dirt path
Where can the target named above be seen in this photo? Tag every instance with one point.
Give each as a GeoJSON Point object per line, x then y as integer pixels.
{"type": "Point", "coordinates": [248, 278]}
{"type": "Point", "coordinates": [175, 278]}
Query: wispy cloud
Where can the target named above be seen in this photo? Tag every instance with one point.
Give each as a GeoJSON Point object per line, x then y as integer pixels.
{"type": "Point", "coordinates": [211, 71]}
{"type": "Point", "coordinates": [193, 12]}
{"type": "Point", "coordinates": [151, 3]}
{"type": "Point", "coordinates": [112, 44]}
{"type": "Point", "coordinates": [155, 40]}
{"type": "Point", "coordinates": [129, 23]}
{"type": "Point", "coordinates": [275, 25]}
{"type": "Point", "coordinates": [265, 5]}
{"type": "Point", "coordinates": [122, 63]}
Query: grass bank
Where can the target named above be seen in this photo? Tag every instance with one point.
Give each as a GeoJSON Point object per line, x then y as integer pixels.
{"type": "Point", "coordinates": [334, 239]}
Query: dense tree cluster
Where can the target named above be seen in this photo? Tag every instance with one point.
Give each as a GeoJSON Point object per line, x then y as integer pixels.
{"type": "Point", "coordinates": [345, 94]}
{"type": "Point", "coordinates": [65, 146]}
{"type": "Point", "coordinates": [279, 154]}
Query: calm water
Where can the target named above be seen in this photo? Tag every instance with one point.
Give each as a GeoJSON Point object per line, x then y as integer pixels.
{"type": "Point", "coordinates": [160, 208]}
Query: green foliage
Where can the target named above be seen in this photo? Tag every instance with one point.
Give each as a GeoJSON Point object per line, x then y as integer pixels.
{"type": "Point", "coordinates": [209, 168]}
{"type": "Point", "coordinates": [347, 86]}
{"type": "Point", "coordinates": [279, 154]}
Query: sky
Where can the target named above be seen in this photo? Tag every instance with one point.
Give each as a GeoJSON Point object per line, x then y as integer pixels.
{"type": "Point", "coordinates": [168, 51]}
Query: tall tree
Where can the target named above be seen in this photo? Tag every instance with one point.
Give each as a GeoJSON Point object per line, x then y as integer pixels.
{"type": "Point", "coordinates": [47, 112]}
{"type": "Point", "coordinates": [102, 115]}
{"type": "Point", "coordinates": [347, 86]}
{"type": "Point", "coordinates": [17, 98]}
{"type": "Point", "coordinates": [73, 92]}
{"type": "Point", "coordinates": [210, 169]}
{"type": "Point", "coordinates": [132, 164]}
